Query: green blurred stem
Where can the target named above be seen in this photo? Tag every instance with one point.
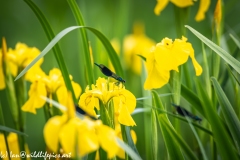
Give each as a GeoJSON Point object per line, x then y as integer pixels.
{"type": "Point", "coordinates": [154, 134]}
{"type": "Point", "coordinates": [56, 49]}
{"type": "Point", "coordinates": [104, 115]}
{"type": "Point", "coordinates": [2, 122]}
{"type": "Point", "coordinates": [86, 56]}
{"type": "Point", "coordinates": [175, 82]}
{"type": "Point", "coordinates": [20, 87]}
{"type": "Point", "coordinates": [124, 136]}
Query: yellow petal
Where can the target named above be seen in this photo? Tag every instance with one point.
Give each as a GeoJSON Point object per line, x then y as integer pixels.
{"type": "Point", "coordinates": [51, 131]}
{"type": "Point", "coordinates": [161, 4]}
{"type": "Point", "coordinates": [203, 7]}
{"type": "Point", "coordinates": [156, 78]}
{"type": "Point", "coordinates": [197, 67]}
{"type": "Point", "coordinates": [182, 3]}
{"type": "Point", "coordinates": [87, 139]}
{"type": "Point", "coordinates": [37, 89]}
{"type": "Point", "coordinates": [129, 99]}
{"type": "Point", "coordinates": [124, 116]}
{"type": "Point", "coordinates": [67, 137]}
{"type": "Point", "coordinates": [107, 138]}
{"type": "Point", "coordinates": [218, 15]}
{"type": "Point", "coordinates": [87, 103]}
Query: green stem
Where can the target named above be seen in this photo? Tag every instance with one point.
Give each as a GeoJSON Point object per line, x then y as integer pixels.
{"type": "Point", "coordinates": [124, 136]}
{"type": "Point", "coordinates": [2, 122]}
{"type": "Point", "coordinates": [20, 87]}
{"type": "Point", "coordinates": [79, 19]}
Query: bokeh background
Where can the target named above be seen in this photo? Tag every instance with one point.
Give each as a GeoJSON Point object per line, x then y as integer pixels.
{"type": "Point", "coordinates": [115, 19]}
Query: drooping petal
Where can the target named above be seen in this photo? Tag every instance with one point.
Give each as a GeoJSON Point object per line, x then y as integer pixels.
{"type": "Point", "coordinates": [87, 139]}
{"type": "Point", "coordinates": [182, 3]}
{"type": "Point", "coordinates": [161, 4]}
{"type": "Point", "coordinates": [124, 116]}
{"type": "Point", "coordinates": [203, 7]}
{"type": "Point", "coordinates": [129, 99]}
{"type": "Point", "coordinates": [67, 137]}
{"type": "Point", "coordinates": [107, 137]}
{"type": "Point", "coordinates": [37, 89]}
{"type": "Point", "coordinates": [51, 131]}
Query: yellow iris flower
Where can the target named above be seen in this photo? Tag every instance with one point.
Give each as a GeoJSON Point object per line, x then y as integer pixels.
{"type": "Point", "coordinates": [12, 140]}
{"type": "Point", "coordinates": [136, 44]}
{"type": "Point", "coordinates": [81, 135]}
{"type": "Point", "coordinates": [203, 6]}
{"type": "Point", "coordinates": [123, 100]}
{"type": "Point", "coordinates": [167, 56]}
{"type": "Point", "coordinates": [47, 85]}
{"type": "Point", "coordinates": [2, 79]}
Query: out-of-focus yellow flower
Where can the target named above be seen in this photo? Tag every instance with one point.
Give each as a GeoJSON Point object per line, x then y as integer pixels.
{"type": "Point", "coordinates": [12, 140]}
{"type": "Point", "coordinates": [123, 100]}
{"type": "Point", "coordinates": [81, 135]}
{"type": "Point", "coordinates": [47, 85]}
{"type": "Point", "coordinates": [21, 56]}
{"type": "Point", "coordinates": [3, 54]}
{"type": "Point", "coordinates": [167, 56]}
{"type": "Point", "coordinates": [136, 44]}
{"type": "Point", "coordinates": [203, 6]}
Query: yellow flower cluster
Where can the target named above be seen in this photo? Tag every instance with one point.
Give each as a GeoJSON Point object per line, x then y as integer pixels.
{"type": "Point", "coordinates": [203, 6]}
{"type": "Point", "coordinates": [123, 100]}
{"type": "Point", "coordinates": [79, 136]}
{"type": "Point", "coordinates": [166, 56]}
{"type": "Point", "coordinates": [47, 85]}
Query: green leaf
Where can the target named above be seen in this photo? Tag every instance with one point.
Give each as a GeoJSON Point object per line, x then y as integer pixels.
{"type": "Point", "coordinates": [154, 136]}
{"type": "Point", "coordinates": [7, 129]}
{"type": "Point", "coordinates": [220, 135]}
{"type": "Point", "coordinates": [171, 138]}
{"type": "Point", "coordinates": [235, 40]}
{"type": "Point", "coordinates": [59, 36]}
{"type": "Point", "coordinates": [130, 140]}
{"type": "Point", "coordinates": [228, 113]}
{"type": "Point", "coordinates": [222, 53]}
{"type": "Point", "coordinates": [234, 76]}
{"type": "Point", "coordinates": [128, 150]}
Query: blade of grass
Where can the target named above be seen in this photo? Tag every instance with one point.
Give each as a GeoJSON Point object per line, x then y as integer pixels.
{"type": "Point", "coordinates": [222, 53]}
{"type": "Point", "coordinates": [56, 49]}
{"type": "Point", "coordinates": [60, 35]}
{"type": "Point", "coordinates": [7, 129]}
{"type": "Point", "coordinates": [217, 126]}
{"type": "Point", "coordinates": [234, 76]}
{"type": "Point", "coordinates": [154, 132]}
{"type": "Point", "coordinates": [173, 148]}
{"type": "Point", "coordinates": [235, 40]}
{"type": "Point", "coordinates": [228, 113]}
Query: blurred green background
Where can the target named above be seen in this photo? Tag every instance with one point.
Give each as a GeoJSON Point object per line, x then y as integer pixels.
{"type": "Point", "coordinates": [115, 19]}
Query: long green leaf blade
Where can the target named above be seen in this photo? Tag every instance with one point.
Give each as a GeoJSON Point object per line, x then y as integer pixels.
{"type": "Point", "coordinates": [7, 129]}
{"type": "Point", "coordinates": [222, 53]}
{"type": "Point", "coordinates": [220, 135]}
{"type": "Point", "coordinates": [60, 35]}
{"type": "Point", "coordinates": [173, 148]}
{"type": "Point", "coordinates": [228, 112]}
